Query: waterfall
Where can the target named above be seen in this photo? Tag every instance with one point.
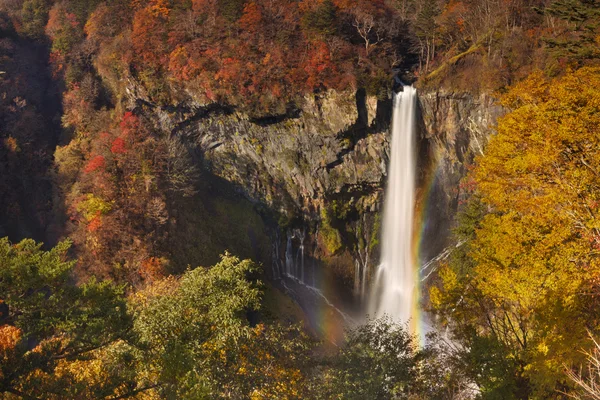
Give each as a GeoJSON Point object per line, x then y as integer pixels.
{"type": "Point", "coordinates": [289, 258]}
{"type": "Point", "coordinates": [300, 256]}
{"type": "Point", "coordinates": [393, 291]}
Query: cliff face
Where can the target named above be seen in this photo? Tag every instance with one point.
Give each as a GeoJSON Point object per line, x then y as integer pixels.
{"type": "Point", "coordinates": [317, 173]}
{"type": "Point", "coordinates": [455, 128]}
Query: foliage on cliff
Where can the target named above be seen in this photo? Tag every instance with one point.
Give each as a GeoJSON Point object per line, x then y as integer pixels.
{"type": "Point", "coordinates": [257, 55]}
{"type": "Point", "coordinates": [125, 186]}
{"type": "Point", "coordinates": [501, 42]}
{"type": "Point", "coordinates": [521, 295]}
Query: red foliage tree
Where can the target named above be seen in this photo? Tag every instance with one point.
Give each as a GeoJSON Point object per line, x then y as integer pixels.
{"type": "Point", "coordinates": [118, 146]}
{"type": "Point", "coordinates": [94, 164]}
{"type": "Point", "coordinates": [95, 223]}
{"type": "Point", "coordinates": [130, 124]}
{"type": "Point", "coordinates": [319, 66]}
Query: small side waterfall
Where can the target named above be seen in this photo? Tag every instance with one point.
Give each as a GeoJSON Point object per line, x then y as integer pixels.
{"type": "Point", "coordinates": [295, 266]}
{"type": "Point", "coordinates": [393, 290]}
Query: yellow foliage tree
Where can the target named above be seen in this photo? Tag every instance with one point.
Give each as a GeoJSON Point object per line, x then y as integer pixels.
{"type": "Point", "coordinates": [534, 257]}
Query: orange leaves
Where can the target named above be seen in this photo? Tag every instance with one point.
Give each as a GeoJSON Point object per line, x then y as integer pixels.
{"type": "Point", "coordinates": [149, 36]}
{"type": "Point", "coordinates": [158, 8]}
{"type": "Point", "coordinates": [230, 71]}
{"type": "Point", "coordinates": [319, 65]}
{"type": "Point", "coordinates": [97, 162]}
{"type": "Point", "coordinates": [183, 66]}
{"type": "Point", "coordinates": [153, 268]}
{"type": "Point", "coordinates": [95, 223]}
{"type": "Point", "coordinates": [10, 337]}
{"type": "Point", "coordinates": [252, 17]}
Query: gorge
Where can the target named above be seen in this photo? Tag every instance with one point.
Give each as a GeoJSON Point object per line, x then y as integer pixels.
{"type": "Point", "coordinates": [237, 199]}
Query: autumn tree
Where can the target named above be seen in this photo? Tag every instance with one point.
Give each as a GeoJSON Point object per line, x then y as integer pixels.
{"type": "Point", "coordinates": [532, 268]}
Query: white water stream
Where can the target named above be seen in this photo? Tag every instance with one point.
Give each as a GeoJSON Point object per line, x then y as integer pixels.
{"type": "Point", "coordinates": [393, 290]}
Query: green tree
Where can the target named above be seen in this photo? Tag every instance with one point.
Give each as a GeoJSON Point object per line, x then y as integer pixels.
{"type": "Point", "coordinates": [34, 14]}
{"type": "Point", "coordinates": [50, 324]}
{"type": "Point", "coordinates": [579, 42]}
{"type": "Point", "coordinates": [381, 360]}
{"type": "Point", "coordinates": [196, 339]}
{"type": "Point", "coordinates": [322, 19]}
{"type": "Point", "coordinates": [378, 361]}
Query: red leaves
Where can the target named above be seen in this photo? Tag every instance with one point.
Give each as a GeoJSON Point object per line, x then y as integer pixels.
{"type": "Point", "coordinates": [118, 146]}
{"type": "Point", "coordinates": [94, 164]}
{"type": "Point", "coordinates": [130, 123]}
{"type": "Point", "coordinates": [319, 66]}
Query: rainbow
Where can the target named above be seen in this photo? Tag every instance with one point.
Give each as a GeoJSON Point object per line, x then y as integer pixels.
{"type": "Point", "coordinates": [420, 325]}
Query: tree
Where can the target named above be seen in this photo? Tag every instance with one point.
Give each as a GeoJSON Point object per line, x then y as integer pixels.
{"type": "Point", "coordinates": [587, 380]}
{"type": "Point", "coordinates": [386, 351]}
{"type": "Point", "coordinates": [579, 41]}
{"type": "Point", "coordinates": [530, 275]}
{"type": "Point", "coordinates": [322, 19]}
{"type": "Point", "coordinates": [34, 14]}
{"type": "Point", "coordinates": [198, 342]}
{"type": "Point", "coordinates": [381, 360]}
{"type": "Point", "coordinates": [53, 325]}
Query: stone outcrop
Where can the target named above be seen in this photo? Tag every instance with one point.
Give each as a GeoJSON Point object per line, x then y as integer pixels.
{"type": "Point", "coordinates": [455, 128]}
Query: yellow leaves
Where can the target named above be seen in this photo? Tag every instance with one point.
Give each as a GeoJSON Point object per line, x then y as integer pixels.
{"type": "Point", "coordinates": [435, 297]}
{"type": "Point", "coordinates": [448, 277]}
{"type": "Point", "coordinates": [90, 372]}
{"type": "Point", "coordinates": [162, 287]}
{"type": "Point", "coordinates": [530, 91]}
{"type": "Point", "coordinates": [543, 159]}
{"type": "Point", "coordinates": [536, 251]}
{"type": "Point", "coordinates": [542, 348]}
{"type": "Point", "coordinates": [93, 206]}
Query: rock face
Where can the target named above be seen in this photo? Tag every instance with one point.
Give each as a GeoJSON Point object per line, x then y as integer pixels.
{"type": "Point", "coordinates": [318, 171]}
{"type": "Point", "coordinates": [455, 128]}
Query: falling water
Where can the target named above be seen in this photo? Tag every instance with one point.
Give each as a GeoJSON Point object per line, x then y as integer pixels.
{"type": "Point", "coordinates": [393, 292]}
{"type": "Point", "coordinates": [289, 258]}
{"type": "Point", "coordinates": [300, 256]}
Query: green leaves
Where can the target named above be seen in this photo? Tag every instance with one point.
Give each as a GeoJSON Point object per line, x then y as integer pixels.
{"type": "Point", "coordinates": [57, 320]}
